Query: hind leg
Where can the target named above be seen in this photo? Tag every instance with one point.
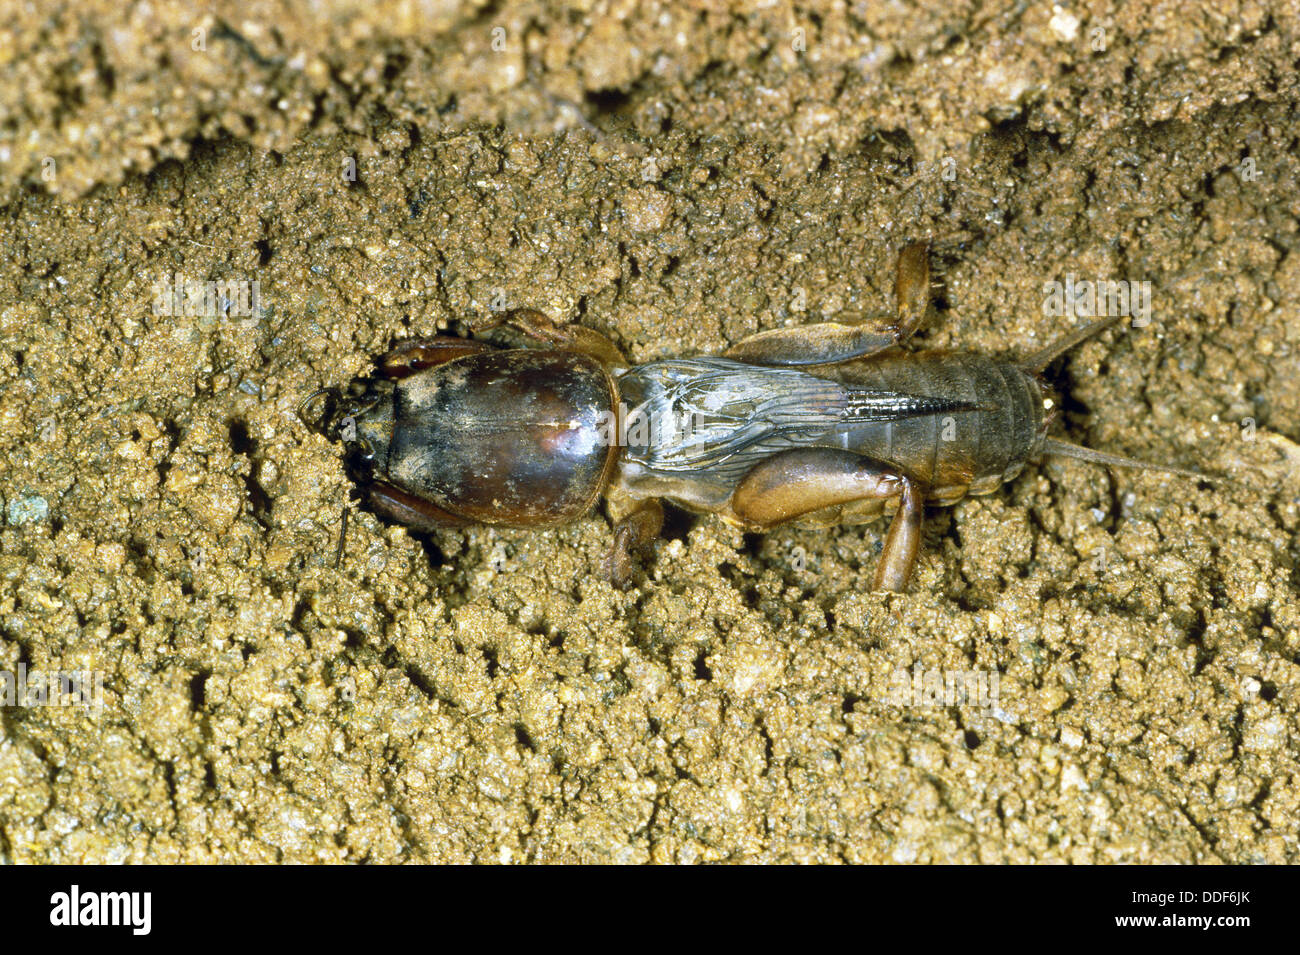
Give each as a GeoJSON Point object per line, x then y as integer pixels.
{"type": "Point", "coordinates": [826, 343]}
{"type": "Point", "coordinates": [800, 481]}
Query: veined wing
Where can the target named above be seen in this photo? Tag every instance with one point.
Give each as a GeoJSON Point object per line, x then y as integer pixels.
{"type": "Point", "coordinates": [723, 415]}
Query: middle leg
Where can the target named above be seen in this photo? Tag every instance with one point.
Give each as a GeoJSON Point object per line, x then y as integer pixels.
{"type": "Point", "coordinates": [637, 522]}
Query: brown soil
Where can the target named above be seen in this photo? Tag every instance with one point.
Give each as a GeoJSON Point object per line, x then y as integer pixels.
{"type": "Point", "coordinates": [677, 176]}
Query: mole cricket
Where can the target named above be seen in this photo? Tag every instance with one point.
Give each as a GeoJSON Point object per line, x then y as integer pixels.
{"type": "Point", "coordinates": [825, 424]}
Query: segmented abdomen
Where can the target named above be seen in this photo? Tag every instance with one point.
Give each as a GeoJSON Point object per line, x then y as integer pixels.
{"type": "Point", "coordinates": [956, 452]}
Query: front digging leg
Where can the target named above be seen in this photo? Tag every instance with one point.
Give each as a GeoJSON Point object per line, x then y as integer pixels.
{"type": "Point", "coordinates": [574, 338]}
{"type": "Point", "coordinates": [801, 481]}
{"type": "Point", "coordinates": [408, 510]}
{"type": "Point", "coordinates": [416, 354]}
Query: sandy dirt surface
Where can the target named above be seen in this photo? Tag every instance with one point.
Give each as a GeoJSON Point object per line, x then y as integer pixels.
{"type": "Point", "coordinates": [677, 175]}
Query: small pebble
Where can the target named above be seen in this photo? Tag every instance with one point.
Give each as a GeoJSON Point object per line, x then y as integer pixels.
{"type": "Point", "coordinates": [28, 509]}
